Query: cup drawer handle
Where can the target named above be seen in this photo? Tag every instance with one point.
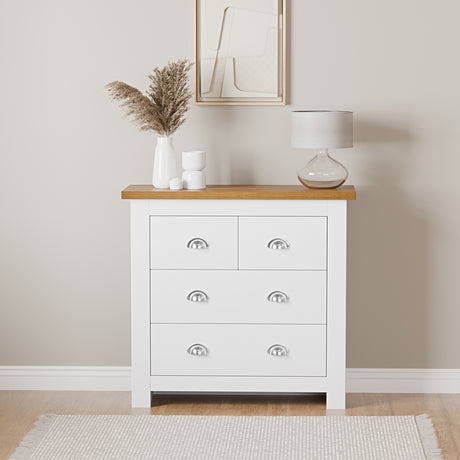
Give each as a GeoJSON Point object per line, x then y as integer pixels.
{"type": "Point", "coordinates": [197, 350]}
{"type": "Point", "coordinates": [278, 297]}
{"type": "Point", "coordinates": [278, 244]}
{"type": "Point", "coordinates": [197, 243]}
{"type": "Point", "coordinates": [197, 296]}
{"type": "Point", "coordinates": [278, 351]}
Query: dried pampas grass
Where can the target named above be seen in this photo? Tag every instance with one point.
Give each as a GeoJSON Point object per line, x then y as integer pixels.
{"type": "Point", "coordinates": [166, 102]}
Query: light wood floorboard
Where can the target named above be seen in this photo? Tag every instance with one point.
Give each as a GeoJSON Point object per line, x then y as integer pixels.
{"type": "Point", "coordinates": [20, 409]}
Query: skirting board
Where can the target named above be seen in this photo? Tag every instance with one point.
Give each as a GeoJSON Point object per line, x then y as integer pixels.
{"type": "Point", "coordinates": [65, 378]}
{"type": "Point", "coordinates": [89, 378]}
{"type": "Point", "coordinates": [403, 380]}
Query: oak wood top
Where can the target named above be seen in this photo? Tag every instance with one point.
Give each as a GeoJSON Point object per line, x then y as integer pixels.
{"type": "Point", "coordinates": [240, 192]}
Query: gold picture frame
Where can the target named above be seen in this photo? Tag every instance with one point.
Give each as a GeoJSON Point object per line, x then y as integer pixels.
{"type": "Point", "coordinates": [240, 52]}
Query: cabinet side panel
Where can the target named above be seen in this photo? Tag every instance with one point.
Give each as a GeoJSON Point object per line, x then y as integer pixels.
{"type": "Point", "coordinates": [140, 304]}
{"type": "Point", "coordinates": [336, 303]}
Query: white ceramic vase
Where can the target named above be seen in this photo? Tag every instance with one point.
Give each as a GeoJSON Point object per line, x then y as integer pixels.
{"type": "Point", "coordinates": [164, 163]}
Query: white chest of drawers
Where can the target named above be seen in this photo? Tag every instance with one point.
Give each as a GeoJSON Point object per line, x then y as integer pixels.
{"type": "Point", "coordinates": [238, 289]}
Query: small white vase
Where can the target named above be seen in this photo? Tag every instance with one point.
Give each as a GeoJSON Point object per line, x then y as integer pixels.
{"type": "Point", "coordinates": [194, 160]}
{"type": "Point", "coordinates": [164, 163]}
{"type": "Point", "coordinates": [194, 180]}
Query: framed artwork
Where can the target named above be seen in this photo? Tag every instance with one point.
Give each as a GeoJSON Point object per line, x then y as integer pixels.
{"type": "Point", "coordinates": [240, 52]}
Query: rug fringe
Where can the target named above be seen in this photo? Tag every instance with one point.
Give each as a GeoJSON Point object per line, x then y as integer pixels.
{"type": "Point", "coordinates": [33, 438]}
{"type": "Point", "coordinates": [428, 437]}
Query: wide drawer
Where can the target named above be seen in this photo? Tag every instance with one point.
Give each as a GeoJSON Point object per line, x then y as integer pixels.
{"type": "Point", "coordinates": [238, 350]}
{"type": "Point", "coordinates": [282, 243]}
{"type": "Point", "coordinates": [204, 296]}
{"type": "Point", "coordinates": [193, 242]}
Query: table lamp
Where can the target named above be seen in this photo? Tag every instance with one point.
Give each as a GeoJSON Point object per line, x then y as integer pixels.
{"type": "Point", "coordinates": [322, 130]}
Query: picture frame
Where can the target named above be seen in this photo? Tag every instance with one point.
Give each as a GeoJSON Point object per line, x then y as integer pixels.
{"type": "Point", "coordinates": [240, 52]}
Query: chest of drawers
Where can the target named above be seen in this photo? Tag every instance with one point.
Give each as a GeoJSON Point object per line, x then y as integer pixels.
{"type": "Point", "coordinates": [238, 289]}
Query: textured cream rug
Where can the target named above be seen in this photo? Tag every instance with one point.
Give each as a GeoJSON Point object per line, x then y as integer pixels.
{"type": "Point", "coordinates": [125, 437]}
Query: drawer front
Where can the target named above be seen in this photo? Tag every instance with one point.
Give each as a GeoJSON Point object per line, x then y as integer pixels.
{"type": "Point", "coordinates": [238, 350]}
{"type": "Point", "coordinates": [193, 242]}
{"type": "Point", "coordinates": [282, 243]}
{"type": "Point", "coordinates": [203, 296]}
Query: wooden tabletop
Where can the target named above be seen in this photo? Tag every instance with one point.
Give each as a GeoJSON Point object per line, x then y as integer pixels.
{"type": "Point", "coordinates": [240, 192]}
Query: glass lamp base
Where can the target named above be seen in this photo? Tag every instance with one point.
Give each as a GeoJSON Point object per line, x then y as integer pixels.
{"type": "Point", "coordinates": [323, 172]}
{"type": "Point", "coordinates": [320, 184]}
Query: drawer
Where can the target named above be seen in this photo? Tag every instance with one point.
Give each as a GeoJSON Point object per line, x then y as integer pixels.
{"type": "Point", "coordinates": [193, 242]}
{"type": "Point", "coordinates": [204, 296]}
{"type": "Point", "coordinates": [238, 350]}
{"type": "Point", "coordinates": [282, 243]}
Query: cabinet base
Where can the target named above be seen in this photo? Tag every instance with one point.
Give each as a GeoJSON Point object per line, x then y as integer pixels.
{"type": "Point", "coordinates": [334, 388]}
{"type": "Point", "coordinates": [335, 405]}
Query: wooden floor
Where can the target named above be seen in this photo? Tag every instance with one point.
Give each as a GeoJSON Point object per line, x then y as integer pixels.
{"type": "Point", "coordinates": [19, 409]}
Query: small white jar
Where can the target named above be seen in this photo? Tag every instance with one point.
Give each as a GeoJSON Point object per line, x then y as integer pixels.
{"type": "Point", "coordinates": [194, 160]}
{"type": "Point", "coordinates": [176, 183]}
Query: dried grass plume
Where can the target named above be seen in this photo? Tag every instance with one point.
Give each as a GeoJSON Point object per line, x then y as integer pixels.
{"type": "Point", "coordinates": [162, 109]}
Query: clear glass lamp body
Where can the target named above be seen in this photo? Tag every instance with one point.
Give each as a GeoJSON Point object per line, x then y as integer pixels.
{"type": "Point", "coordinates": [323, 172]}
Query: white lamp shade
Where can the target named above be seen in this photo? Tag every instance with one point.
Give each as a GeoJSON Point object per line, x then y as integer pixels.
{"type": "Point", "coordinates": [321, 129]}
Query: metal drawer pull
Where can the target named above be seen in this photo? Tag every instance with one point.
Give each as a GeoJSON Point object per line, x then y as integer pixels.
{"type": "Point", "coordinates": [278, 243]}
{"type": "Point", "coordinates": [197, 350]}
{"type": "Point", "coordinates": [197, 296]}
{"type": "Point", "coordinates": [278, 297]}
{"type": "Point", "coordinates": [197, 243]}
{"type": "Point", "coordinates": [278, 351]}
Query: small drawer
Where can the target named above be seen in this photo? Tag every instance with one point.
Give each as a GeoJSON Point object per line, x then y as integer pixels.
{"type": "Point", "coordinates": [193, 242]}
{"type": "Point", "coordinates": [221, 296]}
{"type": "Point", "coordinates": [238, 350]}
{"type": "Point", "coordinates": [282, 243]}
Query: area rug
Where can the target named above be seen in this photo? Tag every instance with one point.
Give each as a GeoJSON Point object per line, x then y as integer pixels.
{"type": "Point", "coordinates": [137, 437]}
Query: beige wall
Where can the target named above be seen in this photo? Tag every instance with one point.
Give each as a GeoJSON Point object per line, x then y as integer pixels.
{"type": "Point", "coordinates": [66, 153]}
